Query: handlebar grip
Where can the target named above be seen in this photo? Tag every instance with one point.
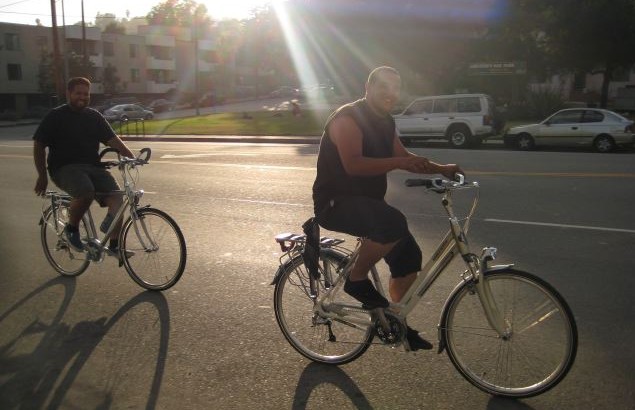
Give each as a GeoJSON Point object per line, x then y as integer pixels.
{"type": "Point", "coordinates": [148, 152]}
{"type": "Point", "coordinates": [426, 182]}
{"type": "Point", "coordinates": [106, 151]}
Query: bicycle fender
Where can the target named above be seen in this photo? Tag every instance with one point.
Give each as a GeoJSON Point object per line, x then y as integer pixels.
{"type": "Point", "coordinates": [457, 288]}
{"type": "Point", "coordinates": [496, 268]}
{"type": "Point", "coordinates": [281, 270]}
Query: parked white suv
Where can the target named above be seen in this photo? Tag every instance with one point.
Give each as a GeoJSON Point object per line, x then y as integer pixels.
{"type": "Point", "coordinates": [462, 119]}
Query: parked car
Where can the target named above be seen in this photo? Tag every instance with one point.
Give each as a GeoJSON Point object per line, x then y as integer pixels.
{"type": "Point", "coordinates": [285, 91]}
{"type": "Point", "coordinates": [210, 99]}
{"type": "Point", "coordinates": [124, 112]}
{"type": "Point", "coordinates": [111, 102]}
{"type": "Point", "coordinates": [573, 127]}
{"type": "Point", "coordinates": [462, 119]}
{"type": "Point", "coordinates": [160, 105]}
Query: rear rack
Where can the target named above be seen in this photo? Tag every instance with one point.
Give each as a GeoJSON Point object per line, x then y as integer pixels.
{"type": "Point", "coordinates": [288, 241]}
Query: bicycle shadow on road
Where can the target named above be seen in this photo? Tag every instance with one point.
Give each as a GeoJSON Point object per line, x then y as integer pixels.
{"type": "Point", "coordinates": [501, 403]}
{"type": "Point", "coordinates": [316, 374]}
{"type": "Point", "coordinates": [41, 374]}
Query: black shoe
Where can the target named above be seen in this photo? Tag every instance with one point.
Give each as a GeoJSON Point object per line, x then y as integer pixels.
{"type": "Point", "coordinates": [115, 252]}
{"type": "Point", "coordinates": [415, 341]}
{"type": "Point", "coordinates": [73, 240]}
{"type": "Point", "coordinates": [365, 292]}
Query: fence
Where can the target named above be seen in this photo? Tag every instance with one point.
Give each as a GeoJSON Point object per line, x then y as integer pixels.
{"type": "Point", "coordinates": [130, 127]}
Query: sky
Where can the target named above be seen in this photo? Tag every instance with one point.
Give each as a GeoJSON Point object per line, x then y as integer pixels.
{"type": "Point", "coordinates": [27, 11]}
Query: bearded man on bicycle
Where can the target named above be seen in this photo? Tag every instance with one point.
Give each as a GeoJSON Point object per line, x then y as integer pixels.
{"type": "Point", "coordinates": [358, 148]}
{"type": "Point", "coordinates": [72, 133]}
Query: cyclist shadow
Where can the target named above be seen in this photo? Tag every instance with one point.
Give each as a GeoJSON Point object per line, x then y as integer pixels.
{"type": "Point", "coordinates": [501, 403]}
{"type": "Point", "coordinates": [48, 371]}
{"type": "Point", "coordinates": [316, 374]}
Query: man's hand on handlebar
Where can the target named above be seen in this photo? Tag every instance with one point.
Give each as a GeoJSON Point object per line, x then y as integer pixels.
{"type": "Point", "coordinates": [450, 170]}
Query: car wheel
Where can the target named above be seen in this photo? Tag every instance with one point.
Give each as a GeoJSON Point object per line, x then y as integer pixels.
{"type": "Point", "coordinates": [525, 142]}
{"type": "Point", "coordinates": [124, 118]}
{"type": "Point", "coordinates": [459, 136]}
{"type": "Point", "coordinates": [148, 116]}
{"type": "Point", "coordinates": [604, 143]}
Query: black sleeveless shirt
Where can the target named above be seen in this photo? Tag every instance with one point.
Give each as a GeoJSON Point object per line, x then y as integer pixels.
{"type": "Point", "coordinates": [332, 181]}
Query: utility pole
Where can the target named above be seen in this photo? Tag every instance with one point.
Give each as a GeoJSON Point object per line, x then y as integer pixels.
{"type": "Point", "coordinates": [59, 86]}
{"type": "Point", "coordinates": [84, 52]}
{"type": "Point", "coordinates": [196, 93]}
{"type": "Point", "coordinates": [64, 43]}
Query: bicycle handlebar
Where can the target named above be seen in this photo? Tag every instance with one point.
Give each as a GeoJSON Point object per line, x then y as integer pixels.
{"type": "Point", "coordinates": [124, 160]}
{"type": "Point", "coordinates": [439, 184]}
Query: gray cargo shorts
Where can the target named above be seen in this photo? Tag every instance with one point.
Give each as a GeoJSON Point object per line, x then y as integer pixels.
{"type": "Point", "coordinates": [84, 179]}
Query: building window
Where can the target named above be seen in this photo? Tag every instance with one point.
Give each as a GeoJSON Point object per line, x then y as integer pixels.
{"type": "Point", "coordinates": [109, 49]}
{"type": "Point", "coordinates": [133, 50]}
{"type": "Point", "coordinates": [11, 41]}
{"type": "Point", "coordinates": [579, 81]}
{"type": "Point", "coordinates": [42, 43]}
{"type": "Point", "coordinates": [621, 74]}
{"type": "Point", "coordinates": [14, 72]}
{"type": "Point", "coordinates": [134, 75]}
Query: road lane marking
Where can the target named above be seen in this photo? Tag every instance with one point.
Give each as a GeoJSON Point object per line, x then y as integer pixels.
{"type": "Point", "coordinates": [556, 174]}
{"type": "Point", "coordinates": [247, 166]}
{"type": "Point", "coordinates": [595, 228]}
{"type": "Point", "coordinates": [209, 154]}
{"type": "Point", "coordinates": [469, 172]}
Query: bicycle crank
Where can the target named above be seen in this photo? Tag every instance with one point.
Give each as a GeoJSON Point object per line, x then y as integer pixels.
{"type": "Point", "coordinates": [388, 327]}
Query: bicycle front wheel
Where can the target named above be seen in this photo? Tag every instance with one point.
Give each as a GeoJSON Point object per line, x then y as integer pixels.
{"type": "Point", "coordinates": [60, 255]}
{"type": "Point", "coordinates": [320, 339]}
{"type": "Point", "coordinates": [152, 249]}
{"type": "Point", "coordinates": [539, 345]}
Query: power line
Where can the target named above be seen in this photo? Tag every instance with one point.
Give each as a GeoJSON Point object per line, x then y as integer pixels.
{"type": "Point", "coordinates": [13, 4]}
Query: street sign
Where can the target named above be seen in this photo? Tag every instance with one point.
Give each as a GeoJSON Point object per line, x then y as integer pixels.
{"type": "Point", "coordinates": [498, 68]}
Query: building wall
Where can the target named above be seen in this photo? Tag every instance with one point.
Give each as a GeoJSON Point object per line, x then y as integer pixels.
{"type": "Point", "coordinates": [163, 60]}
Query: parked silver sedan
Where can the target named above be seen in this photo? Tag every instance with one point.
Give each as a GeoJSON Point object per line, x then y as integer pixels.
{"type": "Point", "coordinates": [574, 127]}
{"type": "Point", "coordinates": [125, 112]}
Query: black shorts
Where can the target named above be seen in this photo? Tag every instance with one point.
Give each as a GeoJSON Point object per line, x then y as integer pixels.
{"type": "Point", "coordinates": [376, 220]}
{"type": "Point", "coordinates": [84, 180]}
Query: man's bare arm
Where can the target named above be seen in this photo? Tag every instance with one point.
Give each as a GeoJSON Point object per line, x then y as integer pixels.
{"type": "Point", "coordinates": [39, 158]}
{"type": "Point", "coordinates": [116, 143]}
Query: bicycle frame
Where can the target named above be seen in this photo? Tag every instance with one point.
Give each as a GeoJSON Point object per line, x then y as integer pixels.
{"type": "Point", "coordinates": [453, 243]}
{"type": "Point", "coordinates": [131, 198]}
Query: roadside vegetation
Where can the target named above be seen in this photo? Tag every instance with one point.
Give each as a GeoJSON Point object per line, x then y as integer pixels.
{"type": "Point", "coordinates": [234, 123]}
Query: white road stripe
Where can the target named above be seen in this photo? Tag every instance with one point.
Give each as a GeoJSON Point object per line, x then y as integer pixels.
{"type": "Point", "coordinates": [595, 228]}
{"type": "Point", "coordinates": [210, 154]}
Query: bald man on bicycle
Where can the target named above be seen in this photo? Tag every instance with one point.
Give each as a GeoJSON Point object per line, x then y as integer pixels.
{"type": "Point", "coordinates": [72, 133]}
{"type": "Point", "coordinates": [358, 148]}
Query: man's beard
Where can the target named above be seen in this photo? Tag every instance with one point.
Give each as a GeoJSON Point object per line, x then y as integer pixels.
{"type": "Point", "coordinates": [79, 105]}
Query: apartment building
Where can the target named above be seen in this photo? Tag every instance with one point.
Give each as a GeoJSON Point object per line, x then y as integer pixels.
{"type": "Point", "coordinates": [152, 63]}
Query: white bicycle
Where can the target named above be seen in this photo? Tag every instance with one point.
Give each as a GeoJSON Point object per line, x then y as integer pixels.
{"type": "Point", "coordinates": [151, 245]}
{"type": "Point", "coordinates": [508, 332]}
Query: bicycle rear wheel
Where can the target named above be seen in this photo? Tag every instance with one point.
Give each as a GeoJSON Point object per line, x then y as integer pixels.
{"type": "Point", "coordinates": [62, 257]}
{"type": "Point", "coordinates": [152, 249]}
{"type": "Point", "coordinates": [538, 350]}
{"type": "Point", "coordinates": [316, 338]}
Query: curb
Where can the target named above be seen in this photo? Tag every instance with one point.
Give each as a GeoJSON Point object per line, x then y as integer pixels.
{"type": "Point", "coordinates": [228, 138]}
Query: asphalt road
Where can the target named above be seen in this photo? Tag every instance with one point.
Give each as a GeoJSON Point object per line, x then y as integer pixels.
{"type": "Point", "coordinates": [100, 341]}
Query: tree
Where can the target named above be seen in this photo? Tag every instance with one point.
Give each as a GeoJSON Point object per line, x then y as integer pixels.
{"type": "Point", "coordinates": [46, 79]}
{"type": "Point", "coordinates": [587, 36]}
{"type": "Point", "coordinates": [184, 13]}
{"type": "Point", "coordinates": [111, 81]}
